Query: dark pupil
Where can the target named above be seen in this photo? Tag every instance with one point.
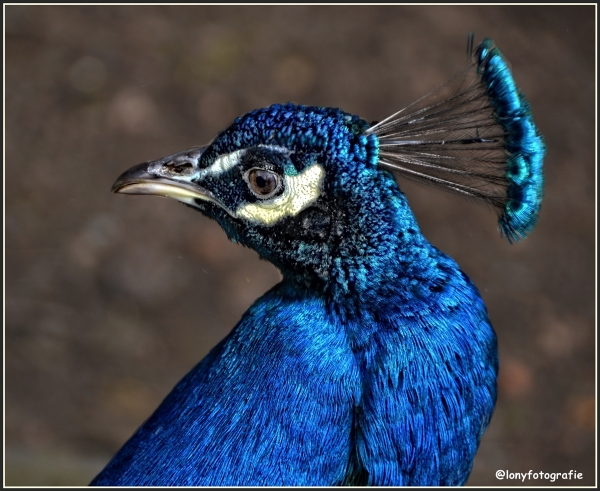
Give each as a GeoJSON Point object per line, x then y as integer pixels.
{"type": "Point", "coordinates": [263, 182]}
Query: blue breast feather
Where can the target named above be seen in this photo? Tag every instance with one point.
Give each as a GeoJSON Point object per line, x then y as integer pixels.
{"type": "Point", "coordinates": [285, 400]}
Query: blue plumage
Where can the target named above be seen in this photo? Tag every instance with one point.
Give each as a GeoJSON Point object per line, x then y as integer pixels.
{"type": "Point", "coordinates": [524, 144]}
{"type": "Point", "coordinates": [373, 361]}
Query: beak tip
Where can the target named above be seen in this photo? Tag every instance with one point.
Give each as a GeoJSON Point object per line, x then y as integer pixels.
{"type": "Point", "coordinates": [117, 186]}
{"type": "Point", "coordinates": [137, 172]}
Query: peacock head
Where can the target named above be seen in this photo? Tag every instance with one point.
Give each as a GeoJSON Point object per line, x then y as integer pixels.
{"type": "Point", "coordinates": [308, 188]}
{"type": "Point", "coordinates": [300, 185]}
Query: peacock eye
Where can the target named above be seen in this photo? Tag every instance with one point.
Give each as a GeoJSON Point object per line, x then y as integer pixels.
{"type": "Point", "coordinates": [263, 183]}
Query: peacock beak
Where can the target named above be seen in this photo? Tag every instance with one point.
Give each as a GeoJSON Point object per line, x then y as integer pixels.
{"type": "Point", "coordinates": [140, 180]}
{"type": "Point", "coordinates": [169, 177]}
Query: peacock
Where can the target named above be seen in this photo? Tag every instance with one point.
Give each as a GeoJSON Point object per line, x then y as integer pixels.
{"type": "Point", "coordinates": [373, 361]}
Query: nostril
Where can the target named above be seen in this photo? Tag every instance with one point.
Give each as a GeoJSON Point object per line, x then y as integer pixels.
{"type": "Point", "coordinates": [179, 168]}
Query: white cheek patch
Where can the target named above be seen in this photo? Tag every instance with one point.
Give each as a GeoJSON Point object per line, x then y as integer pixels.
{"type": "Point", "coordinates": [300, 192]}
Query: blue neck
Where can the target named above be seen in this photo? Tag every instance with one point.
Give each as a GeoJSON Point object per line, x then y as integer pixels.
{"type": "Point", "coordinates": [380, 261]}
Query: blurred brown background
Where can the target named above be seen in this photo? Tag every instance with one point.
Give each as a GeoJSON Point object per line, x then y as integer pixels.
{"type": "Point", "coordinates": [110, 299]}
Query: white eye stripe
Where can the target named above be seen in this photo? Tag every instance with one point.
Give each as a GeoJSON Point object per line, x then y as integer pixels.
{"type": "Point", "coordinates": [228, 161]}
{"type": "Point", "coordinates": [222, 164]}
